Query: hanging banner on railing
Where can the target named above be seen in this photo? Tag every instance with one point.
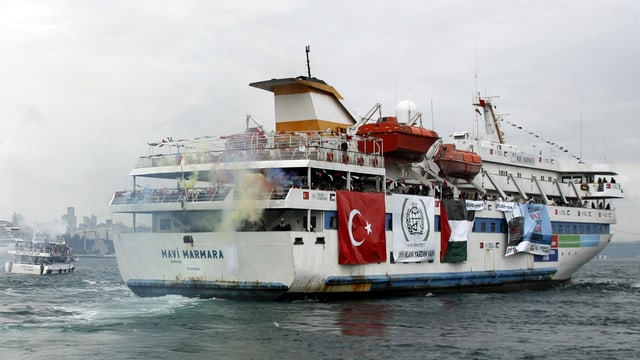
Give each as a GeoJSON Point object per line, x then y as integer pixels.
{"type": "Point", "coordinates": [413, 239]}
{"type": "Point", "coordinates": [456, 225]}
{"type": "Point", "coordinates": [476, 205]}
{"type": "Point", "coordinates": [529, 229]}
{"type": "Point", "coordinates": [505, 205]}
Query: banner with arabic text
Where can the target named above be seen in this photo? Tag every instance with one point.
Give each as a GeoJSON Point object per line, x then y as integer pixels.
{"type": "Point", "coordinates": [413, 239]}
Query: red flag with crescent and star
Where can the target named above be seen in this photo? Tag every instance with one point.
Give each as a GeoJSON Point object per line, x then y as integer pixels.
{"type": "Point", "coordinates": [361, 228]}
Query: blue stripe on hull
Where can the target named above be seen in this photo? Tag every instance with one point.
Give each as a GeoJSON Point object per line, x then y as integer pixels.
{"type": "Point", "coordinates": [444, 280]}
{"type": "Point", "coordinates": [208, 289]}
{"type": "Point", "coordinates": [376, 284]}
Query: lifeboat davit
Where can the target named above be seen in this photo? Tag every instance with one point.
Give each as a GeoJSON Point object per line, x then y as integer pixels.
{"type": "Point", "coordinates": [400, 142]}
{"type": "Point", "coordinates": [252, 138]}
{"type": "Point", "coordinates": [457, 163]}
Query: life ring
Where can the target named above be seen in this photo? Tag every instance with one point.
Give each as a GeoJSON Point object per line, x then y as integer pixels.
{"type": "Point", "coordinates": [329, 156]}
{"type": "Point", "coordinates": [360, 160]}
{"type": "Point", "coordinates": [374, 161]}
{"type": "Point", "coordinates": [345, 158]}
{"type": "Point", "coordinates": [584, 187]}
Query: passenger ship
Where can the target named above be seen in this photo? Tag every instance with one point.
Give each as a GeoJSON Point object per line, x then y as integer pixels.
{"type": "Point", "coordinates": [39, 257]}
{"type": "Point", "coordinates": [332, 205]}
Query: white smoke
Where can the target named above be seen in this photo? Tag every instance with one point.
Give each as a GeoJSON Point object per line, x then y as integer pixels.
{"type": "Point", "coordinates": [52, 229]}
{"type": "Point", "coordinates": [49, 230]}
{"type": "Point", "coordinates": [250, 189]}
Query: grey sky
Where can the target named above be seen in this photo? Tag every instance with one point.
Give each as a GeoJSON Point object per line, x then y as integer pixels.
{"type": "Point", "coordinates": [86, 84]}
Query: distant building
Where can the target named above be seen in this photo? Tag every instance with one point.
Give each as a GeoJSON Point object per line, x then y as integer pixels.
{"type": "Point", "coordinates": [70, 218]}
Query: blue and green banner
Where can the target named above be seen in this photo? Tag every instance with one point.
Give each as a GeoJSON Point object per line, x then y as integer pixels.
{"type": "Point", "coordinates": [529, 230]}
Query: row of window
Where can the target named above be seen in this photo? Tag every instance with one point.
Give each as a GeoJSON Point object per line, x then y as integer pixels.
{"type": "Point", "coordinates": [480, 225]}
{"type": "Point", "coordinates": [484, 225]}
{"type": "Point", "coordinates": [500, 226]}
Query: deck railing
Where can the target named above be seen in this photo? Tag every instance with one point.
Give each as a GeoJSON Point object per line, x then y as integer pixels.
{"type": "Point", "coordinates": [257, 147]}
{"type": "Point", "coordinates": [157, 196]}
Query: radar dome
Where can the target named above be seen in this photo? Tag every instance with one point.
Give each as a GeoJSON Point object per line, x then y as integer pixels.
{"type": "Point", "coordinates": [405, 110]}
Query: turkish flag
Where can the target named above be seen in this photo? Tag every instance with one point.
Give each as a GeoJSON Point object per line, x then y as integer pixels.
{"type": "Point", "coordinates": [361, 228]}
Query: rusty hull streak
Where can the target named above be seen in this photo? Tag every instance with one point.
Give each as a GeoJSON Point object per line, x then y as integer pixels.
{"type": "Point", "coordinates": [352, 288]}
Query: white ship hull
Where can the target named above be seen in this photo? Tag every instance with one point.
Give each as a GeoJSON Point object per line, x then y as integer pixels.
{"type": "Point", "coordinates": [295, 264]}
{"type": "Point", "coordinates": [35, 269]}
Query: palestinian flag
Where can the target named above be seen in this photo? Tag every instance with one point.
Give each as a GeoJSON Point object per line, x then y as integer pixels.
{"type": "Point", "coordinates": [456, 224]}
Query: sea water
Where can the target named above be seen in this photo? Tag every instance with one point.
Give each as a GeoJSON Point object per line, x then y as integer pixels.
{"type": "Point", "coordinates": [91, 314]}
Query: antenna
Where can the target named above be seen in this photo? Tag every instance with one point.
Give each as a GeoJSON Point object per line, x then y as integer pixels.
{"type": "Point", "coordinates": [307, 50]}
{"type": "Point", "coordinates": [580, 127]}
{"type": "Point", "coordinates": [433, 126]}
{"type": "Point", "coordinates": [475, 69]}
{"type": "Point", "coordinates": [476, 121]}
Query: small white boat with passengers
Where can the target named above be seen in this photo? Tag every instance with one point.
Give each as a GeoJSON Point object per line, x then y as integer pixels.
{"type": "Point", "coordinates": [38, 257]}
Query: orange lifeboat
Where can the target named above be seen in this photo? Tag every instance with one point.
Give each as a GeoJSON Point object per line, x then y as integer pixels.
{"type": "Point", "coordinates": [457, 163]}
{"type": "Point", "coordinates": [400, 142]}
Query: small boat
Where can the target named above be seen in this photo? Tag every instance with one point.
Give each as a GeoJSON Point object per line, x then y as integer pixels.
{"type": "Point", "coordinates": [457, 163]}
{"type": "Point", "coordinates": [39, 258]}
{"type": "Point", "coordinates": [400, 142]}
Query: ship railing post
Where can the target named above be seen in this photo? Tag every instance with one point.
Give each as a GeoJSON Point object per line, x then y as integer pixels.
{"type": "Point", "coordinates": [134, 214]}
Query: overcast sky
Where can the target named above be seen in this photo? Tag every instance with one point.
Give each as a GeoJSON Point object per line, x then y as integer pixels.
{"type": "Point", "coordinates": [84, 85]}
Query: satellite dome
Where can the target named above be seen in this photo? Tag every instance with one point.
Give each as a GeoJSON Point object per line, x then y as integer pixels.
{"type": "Point", "coordinates": [405, 110]}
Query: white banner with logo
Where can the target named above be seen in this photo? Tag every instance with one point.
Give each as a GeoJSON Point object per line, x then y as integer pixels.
{"type": "Point", "coordinates": [476, 205]}
{"type": "Point", "coordinates": [413, 227]}
{"type": "Point", "coordinates": [505, 206]}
